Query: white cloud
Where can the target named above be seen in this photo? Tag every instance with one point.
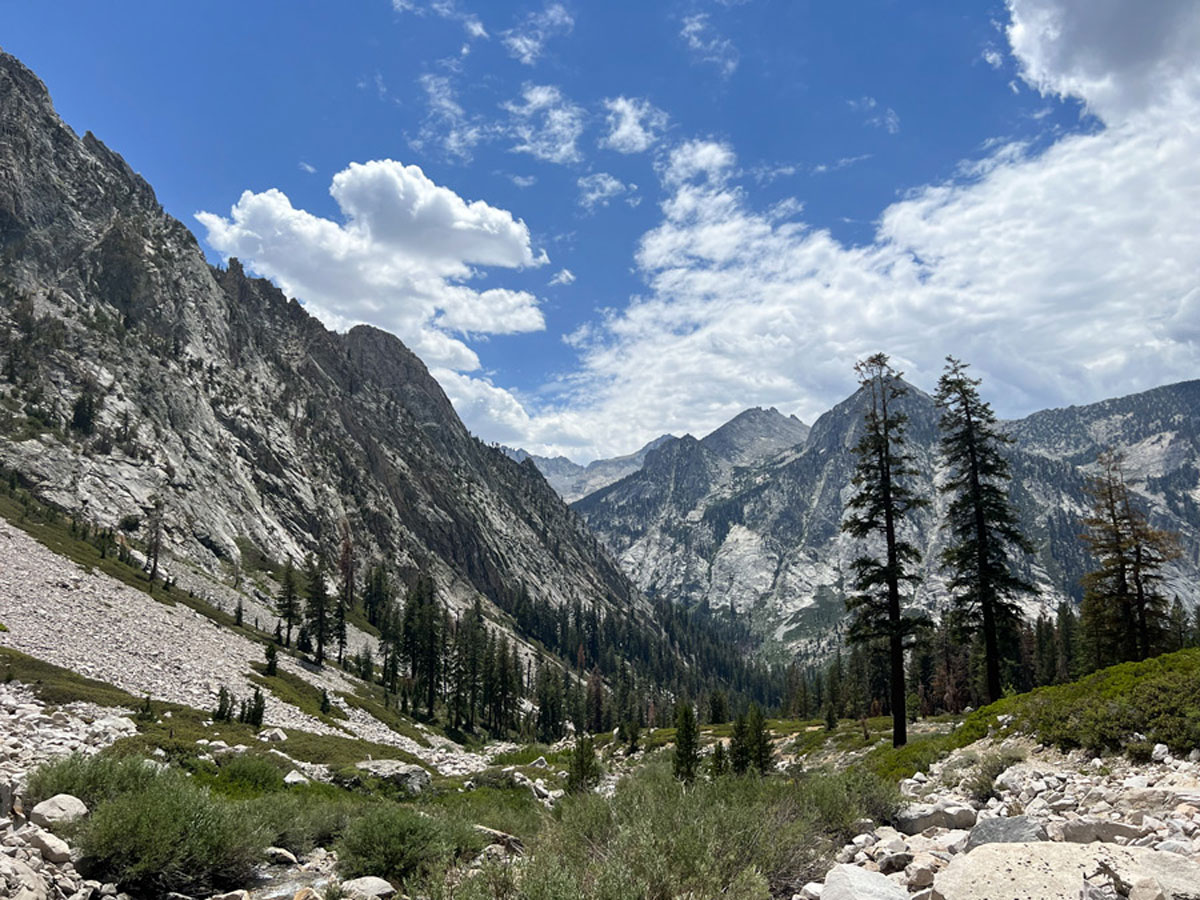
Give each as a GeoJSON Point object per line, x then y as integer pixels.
{"type": "Point", "coordinates": [1116, 56]}
{"type": "Point", "coordinates": [546, 124]}
{"type": "Point", "coordinates": [599, 188]}
{"type": "Point", "coordinates": [401, 259]}
{"type": "Point", "coordinates": [527, 41]}
{"type": "Point", "coordinates": [1064, 276]}
{"type": "Point", "coordinates": [447, 9]}
{"type": "Point", "coordinates": [844, 163]}
{"type": "Point", "coordinates": [633, 125]}
{"type": "Point", "coordinates": [880, 117]}
{"type": "Point", "coordinates": [307, 167]}
{"type": "Point", "coordinates": [708, 45]}
{"type": "Point", "coordinates": [523, 181]}
{"type": "Point", "coordinates": [993, 57]}
{"type": "Point", "coordinates": [563, 277]}
{"type": "Point", "coordinates": [447, 125]}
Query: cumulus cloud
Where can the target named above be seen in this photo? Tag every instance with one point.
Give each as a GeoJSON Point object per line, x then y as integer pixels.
{"type": "Point", "coordinates": [634, 125]}
{"type": "Point", "coordinates": [563, 277]}
{"type": "Point", "coordinates": [401, 258]}
{"type": "Point", "coordinates": [527, 40]}
{"type": "Point", "coordinates": [709, 45]}
{"type": "Point", "coordinates": [1118, 57]}
{"type": "Point", "coordinates": [1063, 275]}
{"type": "Point", "coordinates": [546, 124]}
{"type": "Point", "coordinates": [599, 188]}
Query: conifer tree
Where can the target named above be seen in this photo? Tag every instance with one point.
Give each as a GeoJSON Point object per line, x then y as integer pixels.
{"type": "Point", "coordinates": [718, 763]}
{"type": "Point", "coordinates": [983, 527]}
{"type": "Point", "coordinates": [687, 750]}
{"type": "Point", "coordinates": [288, 602]}
{"type": "Point", "coordinates": [272, 660]}
{"type": "Point", "coordinates": [880, 503]}
{"type": "Point", "coordinates": [759, 741]}
{"type": "Point", "coordinates": [1122, 599]}
{"type": "Point", "coordinates": [317, 612]}
{"type": "Point", "coordinates": [739, 747]}
{"type": "Point", "coordinates": [584, 770]}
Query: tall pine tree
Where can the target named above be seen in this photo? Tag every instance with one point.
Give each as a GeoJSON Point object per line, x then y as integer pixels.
{"type": "Point", "coordinates": [880, 503]}
{"type": "Point", "coordinates": [317, 613]}
{"type": "Point", "coordinates": [288, 601]}
{"type": "Point", "coordinates": [983, 527]}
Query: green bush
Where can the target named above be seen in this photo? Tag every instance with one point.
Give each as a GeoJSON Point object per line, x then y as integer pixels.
{"type": "Point", "coordinates": [397, 843]}
{"type": "Point", "coordinates": [171, 835]}
{"type": "Point", "coordinates": [304, 817]}
{"type": "Point", "coordinates": [247, 776]}
{"type": "Point", "coordinates": [93, 779]}
{"type": "Point", "coordinates": [743, 837]}
{"type": "Point", "coordinates": [1139, 751]}
{"type": "Point", "coordinates": [980, 785]}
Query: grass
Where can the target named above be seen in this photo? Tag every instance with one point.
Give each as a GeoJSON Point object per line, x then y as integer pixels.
{"type": "Point", "coordinates": [56, 685]}
{"type": "Point", "coordinates": [367, 699]}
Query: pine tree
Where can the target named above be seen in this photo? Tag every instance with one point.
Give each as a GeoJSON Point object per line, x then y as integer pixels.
{"type": "Point", "coordinates": [318, 615]}
{"type": "Point", "coordinates": [739, 747]}
{"type": "Point", "coordinates": [584, 770]}
{"type": "Point", "coordinates": [288, 602]}
{"type": "Point", "coordinates": [718, 708]}
{"type": "Point", "coordinates": [345, 598]}
{"type": "Point", "coordinates": [983, 527]}
{"type": "Point", "coordinates": [1124, 614]}
{"type": "Point", "coordinates": [687, 750]}
{"type": "Point", "coordinates": [718, 763]}
{"type": "Point", "coordinates": [272, 660]}
{"type": "Point", "coordinates": [154, 527]}
{"type": "Point", "coordinates": [880, 503]}
{"type": "Point", "coordinates": [759, 741]}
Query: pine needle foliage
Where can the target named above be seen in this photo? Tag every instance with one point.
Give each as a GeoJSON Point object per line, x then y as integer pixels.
{"type": "Point", "coordinates": [881, 501]}
{"type": "Point", "coordinates": [984, 531]}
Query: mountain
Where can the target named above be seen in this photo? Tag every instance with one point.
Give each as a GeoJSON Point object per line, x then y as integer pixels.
{"type": "Point", "coordinates": [133, 371]}
{"type": "Point", "coordinates": [750, 436]}
{"type": "Point", "coordinates": [765, 540]}
{"type": "Point", "coordinates": [572, 481]}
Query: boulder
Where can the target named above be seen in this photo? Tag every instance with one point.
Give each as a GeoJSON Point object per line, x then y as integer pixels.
{"type": "Point", "coordinates": [413, 779]}
{"type": "Point", "coordinates": [273, 735]}
{"type": "Point", "coordinates": [295, 777]}
{"type": "Point", "coordinates": [1010, 830]}
{"type": "Point", "coordinates": [281, 857]}
{"type": "Point", "coordinates": [367, 888]}
{"type": "Point", "coordinates": [59, 808]}
{"type": "Point", "coordinates": [231, 895]}
{"type": "Point", "coordinates": [1053, 871]}
{"type": "Point", "coordinates": [917, 817]}
{"type": "Point", "coordinates": [845, 882]}
{"type": "Point", "coordinates": [54, 849]}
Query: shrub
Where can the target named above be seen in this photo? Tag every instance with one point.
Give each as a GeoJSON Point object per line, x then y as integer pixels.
{"type": "Point", "coordinates": [172, 835]}
{"type": "Point", "coordinates": [980, 785]}
{"type": "Point", "coordinates": [399, 844]}
{"type": "Point", "coordinates": [1139, 751]}
{"type": "Point", "coordinates": [93, 779]}
{"type": "Point", "coordinates": [304, 817]}
{"type": "Point", "coordinates": [248, 776]}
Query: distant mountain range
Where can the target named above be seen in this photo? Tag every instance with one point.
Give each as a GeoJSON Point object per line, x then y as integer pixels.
{"type": "Point", "coordinates": [749, 517]}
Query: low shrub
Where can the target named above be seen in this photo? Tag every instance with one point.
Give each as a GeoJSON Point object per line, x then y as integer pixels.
{"type": "Point", "coordinates": [247, 776]}
{"type": "Point", "coordinates": [93, 779]}
{"type": "Point", "coordinates": [397, 843]}
{"type": "Point", "coordinates": [170, 835]}
{"type": "Point", "coordinates": [980, 785]}
{"type": "Point", "coordinates": [302, 818]}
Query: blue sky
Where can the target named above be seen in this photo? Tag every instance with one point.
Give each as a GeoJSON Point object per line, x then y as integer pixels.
{"type": "Point", "coordinates": [601, 222]}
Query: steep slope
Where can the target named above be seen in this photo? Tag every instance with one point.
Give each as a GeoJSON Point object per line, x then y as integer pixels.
{"type": "Point", "coordinates": [755, 434]}
{"type": "Point", "coordinates": [767, 543]}
{"type": "Point", "coordinates": [132, 370]}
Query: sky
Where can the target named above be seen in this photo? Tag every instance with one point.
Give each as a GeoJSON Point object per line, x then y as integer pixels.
{"type": "Point", "coordinates": [598, 223]}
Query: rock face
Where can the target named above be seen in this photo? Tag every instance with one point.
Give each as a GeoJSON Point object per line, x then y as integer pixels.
{"type": "Point", "coordinates": [132, 369]}
{"type": "Point", "coordinates": [1013, 830]}
{"type": "Point", "coordinates": [572, 481]}
{"type": "Point", "coordinates": [697, 526]}
{"type": "Point", "coordinates": [1050, 871]}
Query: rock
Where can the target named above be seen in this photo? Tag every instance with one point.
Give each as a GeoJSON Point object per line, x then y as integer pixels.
{"type": "Point", "coordinates": [893, 861]}
{"type": "Point", "coordinates": [917, 817]}
{"type": "Point", "coordinates": [510, 842]}
{"type": "Point", "coordinates": [1160, 752]}
{"type": "Point", "coordinates": [1050, 871]}
{"type": "Point", "coordinates": [232, 895]}
{"type": "Point", "coordinates": [413, 779]}
{"type": "Point", "coordinates": [54, 849]}
{"type": "Point", "coordinates": [540, 763]}
{"type": "Point", "coordinates": [1012, 830]}
{"type": "Point", "coordinates": [1147, 889]}
{"type": "Point", "coordinates": [1109, 831]}
{"type": "Point", "coordinates": [306, 893]}
{"type": "Point", "coordinates": [273, 735]}
{"type": "Point", "coordinates": [18, 881]}
{"type": "Point", "coordinates": [59, 808]}
{"type": "Point", "coordinates": [845, 882]}
{"type": "Point", "coordinates": [1079, 831]}
{"type": "Point", "coordinates": [368, 887]}
{"type": "Point", "coordinates": [811, 891]}
{"type": "Point", "coordinates": [281, 857]}
{"type": "Point", "coordinates": [1180, 847]}
{"type": "Point", "coordinates": [295, 777]}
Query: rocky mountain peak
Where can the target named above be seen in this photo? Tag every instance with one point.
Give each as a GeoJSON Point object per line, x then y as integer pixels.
{"type": "Point", "coordinates": [755, 434]}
